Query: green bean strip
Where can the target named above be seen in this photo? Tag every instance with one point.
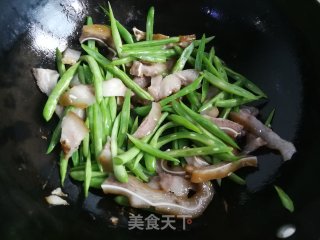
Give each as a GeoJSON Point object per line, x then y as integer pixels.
{"type": "Point", "coordinates": [122, 200]}
{"type": "Point", "coordinates": [225, 86]}
{"type": "Point", "coordinates": [123, 60]}
{"type": "Point", "coordinates": [235, 178]}
{"type": "Point", "coordinates": [137, 159]}
{"type": "Point", "coordinates": [219, 96]}
{"type": "Point", "coordinates": [207, 40]}
{"type": "Point", "coordinates": [149, 25]}
{"type": "Point", "coordinates": [187, 135]}
{"type": "Point", "coordinates": [55, 138]}
{"type": "Point", "coordinates": [135, 125]}
{"type": "Point", "coordinates": [204, 91]}
{"type": "Point", "coordinates": [82, 166]}
{"type": "Point", "coordinates": [80, 175]}
{"type": "Point", "coordinates": [97, 77]}
{"type": "Point", "coordinates": [200, 53]}
{"type": "Point", "coordinates": [115, 32]}
{"type": "Point", "coordinates": [269, 119]}
{"type": "Point", "coordinates": [194, 101]}
{"type": "Point", "coordinates": [285, 199]}
{"type": "Point", "coordinates": [190, 60]}
{"type": "Point", "coordinates": [142, 52]}
{"type": "Point", "coordinates": [246, 82]}
{"type": "Point", "coordinates": [184, 91]}
{"type": "Point", "coordinates": [118, 73]}
{"type": "Point", "coordinates": [86, 140]}
{"type": "Point", "coordinates": [96, 182]}
{"type": "Point", "coordinates": [159, 58]}
{"type": "Point", "coordinates": [106, 119]}
{"type": "Point", "coordinates": [125, 34]}
{"type": "Point", "coordinates": [97, 131]}
{"type": "Point", "coordinates": [220, 68]}
{"type": "Point", "coordinates": [113, 108]}
{"type": "Point", "coordinates": [200, 151]}
{"type": "Point", "coordinates": [75, 158]}
{"type": "Point", "coordinates": [234, 102]}
{"type": "Point", "coordinates": [150, 160]}
{"type": "Point", "coordinates": [124, 118]}
{"type": "Point", "coordinates": [151, 43]}
{"type": "Point", "coordinates": [151, 150]}
{"type": "Point", "coordinates": [181, 62]}
{"type": "Point", "coordinates": [88, 175]}
{"type": "Point", "coordinates": [138, 171]}
{"type": "Point", "coordinates": [180, 120]}
{"type": "Point", "coordinates": [61, 67]}
{"type": "Point", "coordinates": [82, 77]}
{"type": "Point", "coordinates": [63, 168]}
{"type": "Point", "coordinates": [224, 114]}
{"type": "Point", "coordinates": [91, 43]}
{"type": "Point", "coordinates": [134, 151]}
{"type": "Point", "coordinates": [119, 170]}
{"type": "Point", "coordinates": [210, 67]}
{"type": "Point", "coordinates": [60, 87]}
{"type": "Point", "coordinates": [210, 126]}
{"type": "Point", "coordinates": [87, 74]}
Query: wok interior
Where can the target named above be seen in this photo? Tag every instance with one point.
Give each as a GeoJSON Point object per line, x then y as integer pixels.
{"type": "Point", "coordinates": [269, 42]}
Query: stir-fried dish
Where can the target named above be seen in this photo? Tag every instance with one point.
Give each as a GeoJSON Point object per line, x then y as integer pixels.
{"type": "Point", "coordinates": [151, 118]}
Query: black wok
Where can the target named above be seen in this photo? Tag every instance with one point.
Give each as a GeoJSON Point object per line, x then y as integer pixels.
{"type": "Point", "coordinates": [275, 43]}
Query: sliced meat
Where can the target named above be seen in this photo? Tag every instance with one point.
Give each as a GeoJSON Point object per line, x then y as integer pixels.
{"type": "Point", "coordinates": [46, 79]}
{"type": "Point", "coordinates": [150, 121]}
{"type": "Point", "coordinates": [73, 131]}
{"type": "Point", "coordinates": [219, 170]}
{"type": "Point", "coordinates": [254, 126]}
{"type": "Point", "coordinates": [80, 96]}
{"type": "Point", "coordinates": [139, 69]}
{"type": "Point", "coordinates": [141, 195]}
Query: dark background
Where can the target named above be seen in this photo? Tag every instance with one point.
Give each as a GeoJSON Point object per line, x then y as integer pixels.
{"type": "Point", "coordinates": [274, 43]}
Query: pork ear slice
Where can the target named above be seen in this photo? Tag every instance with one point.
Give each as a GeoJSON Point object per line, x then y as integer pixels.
{"type": "Point", "coordinates": [73, 131]}
{"type": "Point", "coordinates": [273, 140]}
{"type": "Point", "coordinates": [141, 195]}
{"type": "Point", "coordinates": [219, 170]}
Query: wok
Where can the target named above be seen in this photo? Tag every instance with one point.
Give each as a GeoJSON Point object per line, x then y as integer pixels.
{"type": "Point", "coordinates": [274, 43]}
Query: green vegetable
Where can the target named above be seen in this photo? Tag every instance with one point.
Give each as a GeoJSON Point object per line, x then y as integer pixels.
{"type": "Point", "coordinates": [200, 53]}
{"type": "Point", "coordinates": [285, 199]}
{"type": "Point", "coordinates": [124, 118]}
{"type": "Point", "coordinates": [181, 62]}
{"type": "Point", "coordinates": [247, 83]}
{"type": "Point", "coordinates": [209, 125]}
{"type": "Point", "coordinates": [125, 34]}
{"type": "Point", "coordinates": [115, 32]}
{"type": "Point", "coordinates": [88, 175]}
{"type": "Point", "coordinates": [61, 67]}
{"type": "Point", "coordinates": [225, 86]}
{"type": "Point", "coordinates": [91, 43]}
{"type": "Point", "coordinates": [60, 87]}
{"type": "Point", "coordinates": [149, 26]}
{"type": "Point", "coordinates": [97, 76]}
{"type": "Point", "coordinates": [200, 151]}
{"type": "Point", "coordinates": [151, 43]}
{"type": "Point", "coordinates": [118, 73]}
{"type": "Point", "coordinates": [151, 150]}
{"type": "Point", "coordinates": [63, 168]}
{"type": "Point", "coordinates": [119, 170]}
{"type": "Point", "coordinates": [269, 119]}
{"type": "Point", "coordinates": [183, 122]}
